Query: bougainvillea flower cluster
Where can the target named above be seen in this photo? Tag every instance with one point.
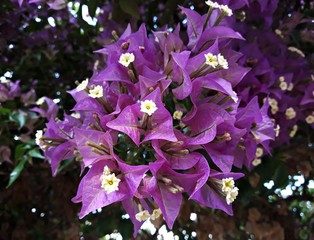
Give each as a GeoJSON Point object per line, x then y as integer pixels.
{"type": "Point", "coordinates": [279, 74]}
{"type": "Point", "coordinates": [161, 120]}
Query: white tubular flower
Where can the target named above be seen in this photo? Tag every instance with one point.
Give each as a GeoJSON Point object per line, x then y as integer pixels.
{"type": "Point", "coordinates": [226, 10]}
{"type": "Point", "coordinates": [309, 119]}
{"type": "Point", "coordinates": [126, 59]}
{"type": "Point", "coordinates": [212, 4]}
{"type": "Point", "coordinates": [259, 152]}
{"type": "Point", "coordinates": [3, 80]}
{"type": "Point", "coordinates": [297, 51]}
{"type": "Point", "coordinates": [282, 78]}
{"type": "Point", "coordinates": [156, 214]}
{"type": "Point", "coordinates": [40, 100]}
{"type": "Point", "coordinates": [109, 182]}
{"type": "Point", "coordinates": [96, 92]}
{"type": "Point", "coordinates": [142, 216]}
{"type": "Point", "coordinates": [82, 86]}
{"type": "Point", "coordinates": [232, 195]}
{"type": "Point", "coordinates": [290, 113]}
{"type": "Point", "coordinates": [148, 106]}
{"type": "Point", "coordinates": [222, 61]}
{"type": "Point", "coordinates": [279, 33]}
{"type": "Point", "coordinates": [211, 60]}
{"type": "Point", "coordinates": [283, 86]}
{"type": "Point", "coordinates": [293, 131]}
{"type": "Point", "coordinates": [256, 162]}
{"type": "Point", "coordinates": [177, 115]}
{"type": "Point", "coordinates": [227, 184]}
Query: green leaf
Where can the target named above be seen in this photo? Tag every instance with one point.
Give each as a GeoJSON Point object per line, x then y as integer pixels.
{"type": "Point", "coordinates": [20, 150]}
{"type": "Point", "coordinates": [130, 7]}
{"type": "Point", "coordinates": [5, 111]}
{"type": "Point", "coordinates": [35, 153]}
{"type": "Point", "coordinates": [281, 177]}
{"type": "Point", "coordinates": [19, 117]}
{"type": "Point", "coordinates": [17, 171]}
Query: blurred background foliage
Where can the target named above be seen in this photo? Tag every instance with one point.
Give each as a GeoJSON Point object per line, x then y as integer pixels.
{"type": "Point", "coordinates": [49, 49]}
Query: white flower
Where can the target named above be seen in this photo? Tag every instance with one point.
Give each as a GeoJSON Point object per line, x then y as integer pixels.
{"type": "Point", "coordinates": [227, 184]}
{"type": "Point", "coordinates": [211, 60]}
{"type": "Point", "coordinates": [148, 106]}
{"type": "Point", "coordinates": [76, 115]}
{"type": "Point", "coordinates": [142, 216]}
{"type": "Point", "coordinates": [212, 4]}
{"type": "Point", "coordinates": [39, 141]}
{"type": "Point", "coordinates": [96, 92]}
{"type": "Point", "coordinates": [177, 115]}
{"type": "Point", "coordinates": [256, 162]}
{"type": "Point", "coordinates": [309, 119]}
{"type": "Point", "coordinates": [222, 61]}
{"type": "Point", "coordinates": [40, 100]}
{"type": "Point", "coordinates": [259, 152]}
{"type": "Point", "coordinates": [293, 131]}
{"type": "Point", "coordinates": [126, 59]}
{"type": "Point", "coordinates": [82, 86]}
{"type": "Point", "coordinates": [3, 80]}
{"type": "Point", "coordinates": [232, 195]}
{"type": "Point", "coordinates": [109, 182]}
{"type": "Point", "coordinates": [38, 136]}
{"type": "Point", "coordinates": [290, 113]}
{"type": "Point", "coordinates": [282, 78]}
{"type": "Point", "coordinates": [226, 10]}
{"type": "Point", "coordinates": [296, 50]}
{"type": "Point", "coordinates": [156, 214]}
{"type": "Point", "coordinates": [283, 86]}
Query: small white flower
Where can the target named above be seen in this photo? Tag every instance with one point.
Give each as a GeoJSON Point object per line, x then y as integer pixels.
{"type": "Point", "coordinates": [177, 115]}
{"type": "Point", "coordinates": [296, 50]}
{"type": "Point", "coordinates": [96, 92]}
{"type": "Point", "coordinates": [290, 87]}
{"type": "Point", "coordinates": [156, 214]}
{"type": "Point", "coordinates": [142, 216]}
{"type": "Point", "coordinates": [259, 152]}
{"type": "Point", "coordinates": [232, 195]}
{"type": "Point", "coordinates": [148, 106]}
{"type": "Point", "coordinates": [256, 162]}
{"type": "Point", "coordinates": [309, 119]}
{"type": "Point", "coordinates": [38, 136]}
{"type": "Point", "coordinates": [227, 184]}
{"type": "Point", "coordinates": [293, 131]}
{"type": "Point", "coordinates": [290, 113]}
{"type": "Point", "coordinates": [282, 78]}
{"type": "Point", "coordinates": [76, 115]}
{"type": "Point", "coordinates": [109, 182]}
{"type": "Point", "coordinates": [40, 101]}
{"type": "Point", "coordinates": [226, 10]}
{"type": "Point", "coordinates": [82, 86]}
{"type": "Point", "coordinates": [212, 4]}
{"type": "Point", "coordinates": [283, 86]}
{"type": "Point", "coordinates": [3, 80]}
{"type": "Point", "coordinates": [211, 60]}
{"type": "Point", "coordinates": [222, 61]}
{"type": "Point", "coordinates": [126, 59]}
